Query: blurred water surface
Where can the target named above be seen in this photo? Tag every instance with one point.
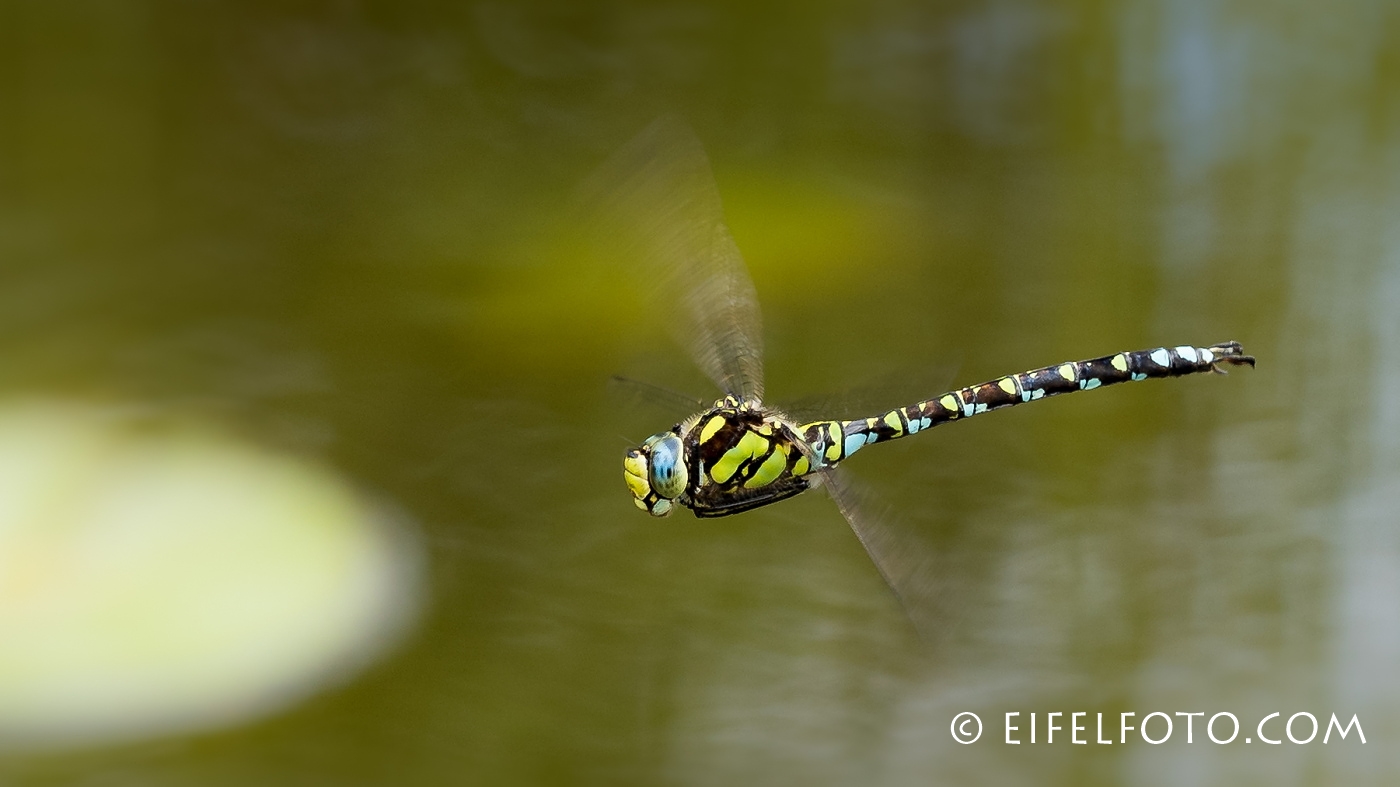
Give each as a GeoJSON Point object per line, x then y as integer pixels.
{"type": "Point", "coordinates": [340, 232]}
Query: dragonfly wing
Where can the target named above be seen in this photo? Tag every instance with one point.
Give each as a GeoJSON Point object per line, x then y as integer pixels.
{"type": "Point", "coordinates": [658, 195]}
{"type": "Point", "coordinates": [638, 392]}
{"type": "Point", "coordinates": [905, 561]}
{"type": "Point", "coordinates": [877, 393]}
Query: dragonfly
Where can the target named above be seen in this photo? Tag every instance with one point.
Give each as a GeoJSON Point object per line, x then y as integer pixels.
{"type": "Point", "coordinates": [740, 454]}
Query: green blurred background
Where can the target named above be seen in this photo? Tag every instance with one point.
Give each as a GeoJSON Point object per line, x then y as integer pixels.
{"type": "Point", "coordinates": [339, 231]}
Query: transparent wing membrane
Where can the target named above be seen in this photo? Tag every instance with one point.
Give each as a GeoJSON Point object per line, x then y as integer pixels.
{"type": "Point", "coordinates": [639, 392]}
{"type": "Point", "coordinates": [874, 392]}
{"type": "Point", "coordinates": [658, 199]}
{"type": "Point", "coordinates": [904, 560]}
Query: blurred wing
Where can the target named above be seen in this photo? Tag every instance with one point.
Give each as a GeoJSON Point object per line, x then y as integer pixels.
{"type": "Point", "coordinates": [876, 393]}
{"type": "Point", "coordinates": [636, 393]}
{"type": "Point", "coordinates": [907, 563]}
{"type": "Point", "coordinates": [658, 196]}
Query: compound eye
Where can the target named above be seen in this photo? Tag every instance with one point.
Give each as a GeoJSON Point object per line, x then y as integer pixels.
{"type": "Point", "coordinates": [668, 473]}
{"type": "Point", "coordinates": [635, 473]}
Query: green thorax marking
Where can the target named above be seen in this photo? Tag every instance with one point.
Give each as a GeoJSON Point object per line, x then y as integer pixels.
{"type": "Point", "coordinates": [743, 456]}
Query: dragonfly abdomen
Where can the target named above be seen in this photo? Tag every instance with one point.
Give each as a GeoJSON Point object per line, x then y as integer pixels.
{"type": "Point", "coordinates": [833, 441]}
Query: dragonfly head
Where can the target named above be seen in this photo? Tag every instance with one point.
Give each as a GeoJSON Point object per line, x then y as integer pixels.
{"type": "Point", "coordinates": [656, 473]}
